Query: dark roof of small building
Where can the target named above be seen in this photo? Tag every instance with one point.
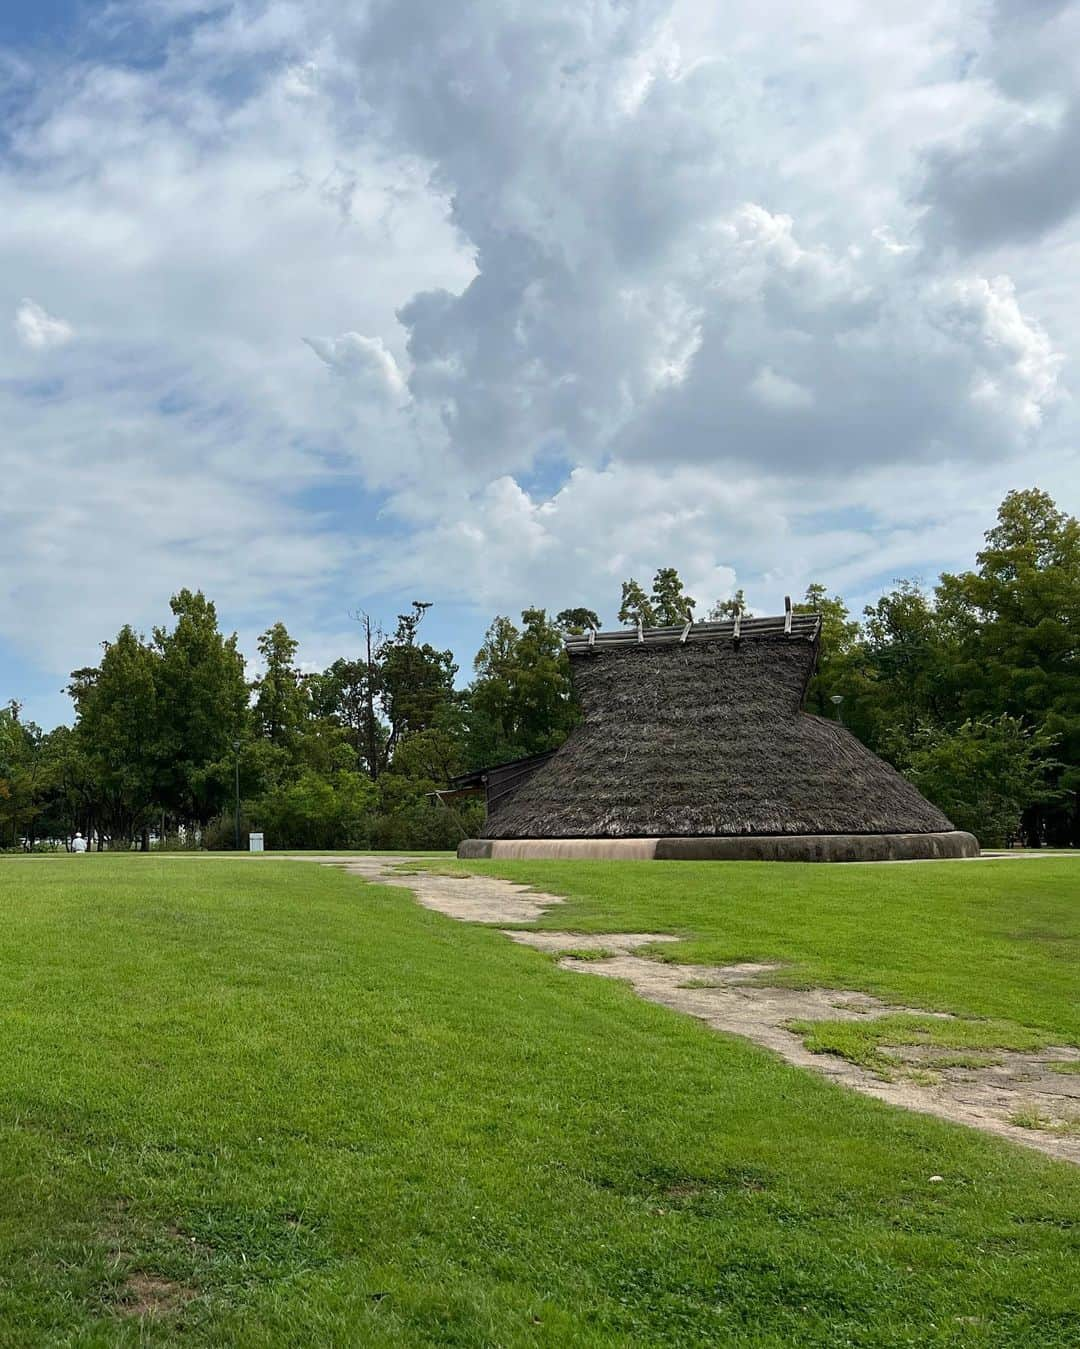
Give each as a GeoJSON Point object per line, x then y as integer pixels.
{"type": "Point", "coordinates": [480, 777]}
{"type": "Point", "coordinates": [700, 732]}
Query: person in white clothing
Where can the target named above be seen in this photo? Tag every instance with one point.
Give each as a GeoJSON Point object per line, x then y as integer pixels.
{"type": "Point", "coordinates": [78, 843]}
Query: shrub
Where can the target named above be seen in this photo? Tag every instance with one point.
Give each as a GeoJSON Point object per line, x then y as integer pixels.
{"type": "Point", "coordinates": [983, 775]}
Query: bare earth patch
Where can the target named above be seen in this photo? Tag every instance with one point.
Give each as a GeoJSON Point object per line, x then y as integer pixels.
{"type": "Point", "coordinates": [144, 1295]}
{"type": "Point", "coordinates": [1031, 1097]}
{"type": "Point", "coordinates": [473, 899]}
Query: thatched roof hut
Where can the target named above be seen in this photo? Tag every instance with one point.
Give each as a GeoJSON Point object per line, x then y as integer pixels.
{"type": "Point", "coordinates": [698, 732]}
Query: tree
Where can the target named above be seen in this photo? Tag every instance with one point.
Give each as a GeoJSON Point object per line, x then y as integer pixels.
{"type": "Point", "coordinates": [431, 757]}
{"type": "Point", "coordinates": [203, 695]}
{"type": "Point", "coordinates": [636, 607]}
{"type": "Point", "coordinates": [319, 812]}
{"type": "Point", "coordinates": [397, 689]}
{"type": "Point", "coordinates": [729, 608]}
{"type": "Point", "coordinates": [410, 816]}
{"type": "Point", "coordinates": [576, 621]}
{"type": "Point", "coordinates": [667, 606]}
{"type": "Point", "coordinates": [837, 673]}
{"type": "Point", "coordinates": [416, 680]}
{"type": "Point", "coordinates": [346, 695]}
{"type": "Point", "coordinates": [281, 703]}
{"type": "Point", "coordinates": [670, 603]}
{"type": "Point", "coordinates": [279, 695]}
{"type": "Point", "coordinates": [521, 701]}
{"type": "Point", "coordinates": [984, 775]}
{"type": "Point", "coordinates": [906, 664]}
{"type": "Point", "coordinates": [119, 732]}
{"type": "Point", "coordinates": [24, 778]}
{"type": "Point", "coordinates": [366, 688]}
{"type": "Point", "coordinates": [73, 789]}
{"type": "Point", "coordinates": [1015, 626]}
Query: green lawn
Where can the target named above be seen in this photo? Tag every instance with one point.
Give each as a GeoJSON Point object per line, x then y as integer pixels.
{"type": "Point", "coordinates": [291, 1108]}
{"type": "Point", "coordinates": [994, 938]}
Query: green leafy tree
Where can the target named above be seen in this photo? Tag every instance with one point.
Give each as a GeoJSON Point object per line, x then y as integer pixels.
{"type": "Point", "coordinates": [906, 661]}
{"type": "Point", "coordinates": [983, 774]}
{"type": "Point", "coordinates": [347, 695]}
{"type": "Point", "coordinates": [729, 608]}
{"type": "Point", "coordinates": [636, 606]}
{"type": "Point", "coordinates": [670, 602]}
{"type": "Point", "coordinates": [24, 778]}
{"type": "Point", "coordinates": [416, 681]}
{"type": "Point", "coordinates": [281, 700]}
{"type": "Point", "coordinates": [668, 605]}
{"type": "Point", "coordinates": [576, 621]}
{"type": "Point", "coordinates": [119, 727]}
{"type": "Point", "coordinates": [521, 701]}
{"type": "Point", "coordinates": [412, 816]}
{"type": "Point", "coordinates": [203, 696]}
{"type": "Point", "coordinates": [431, 757]}
{"type": "Point", "coordinates": [1015, 626]}
{"type": "Point", "coordinates": [73, 788]}
{"type": "Point", "coordinates": [399, 688]}
{"type": "Point", "coordinates": [314, 811]}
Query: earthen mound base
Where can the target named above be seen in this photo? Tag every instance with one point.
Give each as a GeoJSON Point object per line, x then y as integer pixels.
{"type": "Point", "coordinates": [735, 848]}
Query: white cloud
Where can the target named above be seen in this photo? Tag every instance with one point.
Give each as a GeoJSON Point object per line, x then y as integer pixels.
{"type": "Point", "coordinates": [504, 547]}
{"type": "Point", "coordinates": [511, 548]}
{"type": "Point", "coordinates": [890, 243]}
{"type": "Point", "coordinates": [1017, 368]}
{"type": "Point", "coordinates": [364, 360]}
{"type": "Point", "coordinates": [39, 330]}
{"type": "Point", "coordinates": [1012, 173]}
{"type": "Point", "coordinates": [592, 289]}
{"type": "Point", "coordinates": [777, 391]}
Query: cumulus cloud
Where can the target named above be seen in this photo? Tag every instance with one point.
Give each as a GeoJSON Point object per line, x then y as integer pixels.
{"type": "Point", "coordinates": [512, 547]}
{"type": "Point", "coordinates": [910, 367]}
{"type": "Point", "coordinates": [768, 534]}
{"type": "Point", "coordinates": [591, 289]}
{"type": "Point", "coordinates": [39, 330]}
{"type": "Point", "coordinates": [1015, 368]}
{"type": "Point", "coordinates": [363, 360]}
{"type": "Point", "coordinates": [1012, 174]}
{"type": "Point", "coordinates": [1015, 178]}
{"type": "Point", "coordinates": [680, 324]}
{"type": "Point", "coordinates": [777, 391]}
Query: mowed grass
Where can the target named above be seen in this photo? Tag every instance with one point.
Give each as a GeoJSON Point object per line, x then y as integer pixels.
{"type": "Point", "coordinates": [990, 939]}
{"type": "Point", "coordinates": [267, 1104]}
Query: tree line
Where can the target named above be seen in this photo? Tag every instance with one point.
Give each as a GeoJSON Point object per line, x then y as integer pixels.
{"type": "Point", "coordinates": [971, 688]}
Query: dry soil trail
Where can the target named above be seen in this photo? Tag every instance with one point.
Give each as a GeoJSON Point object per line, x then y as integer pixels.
{"type": "Point", "coordinates": [734, 999]}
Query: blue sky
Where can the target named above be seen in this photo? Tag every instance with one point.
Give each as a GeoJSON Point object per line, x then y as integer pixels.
{"type": "Point", "coordinates": [334, 304]}
{"type": "Point", "coordinates": [32, 22]}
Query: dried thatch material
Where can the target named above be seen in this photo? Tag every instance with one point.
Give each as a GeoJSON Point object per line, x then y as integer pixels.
{"type": "Point", "coordinates": [704, 737]}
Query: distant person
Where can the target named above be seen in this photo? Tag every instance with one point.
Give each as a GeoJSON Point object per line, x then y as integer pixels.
{"type": "Point", "coordinates": [78, 843]}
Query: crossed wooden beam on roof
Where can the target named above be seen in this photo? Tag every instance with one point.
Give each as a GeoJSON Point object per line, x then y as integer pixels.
{"type": "Point", "coordinates": [799, 627]}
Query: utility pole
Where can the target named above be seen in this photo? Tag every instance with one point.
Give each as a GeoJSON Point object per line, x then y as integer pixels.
{"type": "Point", "coordinates": [236, 753]}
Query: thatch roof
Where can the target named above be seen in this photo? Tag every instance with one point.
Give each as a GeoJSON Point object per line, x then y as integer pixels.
{"type": "Point", "coordinates": [700, 732]}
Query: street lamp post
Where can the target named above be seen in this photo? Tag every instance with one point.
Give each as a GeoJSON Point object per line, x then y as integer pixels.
{"type": "Point", "coordinates": [236, 753]}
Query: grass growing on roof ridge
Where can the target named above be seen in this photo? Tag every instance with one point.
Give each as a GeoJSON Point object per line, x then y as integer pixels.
{"type": "Point", "coordinates": [291, 1108]}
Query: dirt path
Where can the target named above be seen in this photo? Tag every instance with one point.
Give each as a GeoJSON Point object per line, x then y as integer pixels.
{"type": "Point", "coordinates": [733, 998]}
